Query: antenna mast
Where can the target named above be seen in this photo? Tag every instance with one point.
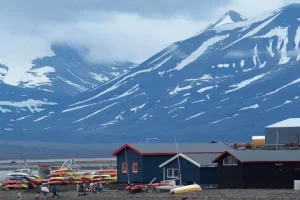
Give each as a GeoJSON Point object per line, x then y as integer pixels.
{"type": "Point", "coordinates": [178, 161]}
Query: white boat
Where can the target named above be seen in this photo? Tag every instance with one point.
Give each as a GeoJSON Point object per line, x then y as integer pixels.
{"type": "Point", "coordinates": [27, 171]}
{"type": "Point", "coordinates": [165, 187]}
{"type": "Point", "coordinates": [18, 174]}
{"type": "Point", "coordinates": [185, 189]}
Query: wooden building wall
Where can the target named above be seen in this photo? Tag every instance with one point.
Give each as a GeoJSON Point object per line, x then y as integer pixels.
{"type": "Point", "coordinates": [192, 173]}
{"type": "Point", "coordinates": [132, 157]}
{"type": "Point", "coordinates": [265, 175]}
{"type": "Point", "coordinates": [151, 167]}
{"type": "Point", "coordinates": [148, 167]}
{"type": "Point", "coordinates": [229, 177]}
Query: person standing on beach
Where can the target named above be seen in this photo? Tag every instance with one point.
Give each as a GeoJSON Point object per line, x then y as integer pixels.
{"type": "Point", "coordinates": [91, 187]}
{"type": "Point", "coordinates": [37, 197]}
{"type": "Point", "coordinates": [19, 195]}
{"type": "Point", "coordinates": [45, 191]}
{"type": "Point", "coordinates": [54, 191]}
{"type": "Point", "coordinates": [80, 188]}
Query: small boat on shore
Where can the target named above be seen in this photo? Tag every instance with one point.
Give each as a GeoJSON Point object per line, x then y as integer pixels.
{"type": "Point", "coordinates": [185, 189]}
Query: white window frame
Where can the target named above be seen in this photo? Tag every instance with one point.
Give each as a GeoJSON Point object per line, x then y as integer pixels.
{"type": "Point", "coordinates": [172, 169]}
{"type": "Point", "coordinates": [229, 161]}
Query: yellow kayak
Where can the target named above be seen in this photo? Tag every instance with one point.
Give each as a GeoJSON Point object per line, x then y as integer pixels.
{"type": "Point", "coordinates": [56, 178]}
{"type": "Point", "coordinates": [61, 170]}
{"type": "Point", "coordinates": [37, 177]}
{"type": "Point", "coordinates": [76, 178]}
{"type": "Point", "coordinates": [109, 178]}
{"type": "Point", "coordinates": [185, 189]}
{"type": "Point", "coordinates": [76, 182]}
{"type": "Point", "coordinates": [71, 174]}
{"type": "Point", "coordinates": [24, 186]}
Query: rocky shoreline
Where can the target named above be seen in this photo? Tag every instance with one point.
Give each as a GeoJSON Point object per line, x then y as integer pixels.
{"type": "Point", "coordinates": [124, 195]}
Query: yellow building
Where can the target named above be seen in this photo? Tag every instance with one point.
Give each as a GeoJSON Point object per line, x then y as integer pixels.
{"type": "Point", "coordinates": [258, 141]}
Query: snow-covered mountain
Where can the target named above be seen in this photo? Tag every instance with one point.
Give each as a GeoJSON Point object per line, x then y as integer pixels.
{"type": "Point", "coordinates": [228, 18]}
{"type": "Point", "coordinates": [225, 83]}
{"type": "Point", "coordinates": [69, 73]}
{"type": "Point", "coordinates": [52, 82]}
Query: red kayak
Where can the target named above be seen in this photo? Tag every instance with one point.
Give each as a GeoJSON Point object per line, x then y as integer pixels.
{"type": "Point", "coordinates": [9, 182]}
{"type": "Point", "coordinates": [55, 182]}
{"type": "Point", "coordinates": [159, 184]}
{"type": "Point", "coordinates": [66, 182]}
{"type": "Point", "coordinates": [112, 174]}
{"type": "Point", "coordinates": [13, 186]}
{"type": "Point", "coordinates": [56, 174]}
{"type": "Point", "coordinates": [106, 171]}
{"type": "Point", "coordinates": [32, 185]}
{"type": "Point", "coordinates": [137, 188]}
{"type": "Point", "coordinates": [35, 181]}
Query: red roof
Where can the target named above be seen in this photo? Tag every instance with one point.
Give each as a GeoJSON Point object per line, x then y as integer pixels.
{"type": "Point", "coordinates": [156, 153]}
{"type": "Point", "coordinates": [222, 154]}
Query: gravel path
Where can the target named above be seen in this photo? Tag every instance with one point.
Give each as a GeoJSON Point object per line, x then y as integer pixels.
{"type": "Point", "coordinates": [205, 194]}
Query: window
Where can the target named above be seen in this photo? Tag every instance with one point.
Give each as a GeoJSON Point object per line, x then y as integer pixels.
{"type": "Point", "coordinates": [234, 161]}
{"type": "Point", "coordinates": [225, 161]}
{"type": "Point", "coordinates": [172, 173]}
{"type": "Point", "coordinates": [229, 161]}
{"type": "Point", "coordinates": [135, 167]}
{"type": "Point", "coordinates": [124, 168]}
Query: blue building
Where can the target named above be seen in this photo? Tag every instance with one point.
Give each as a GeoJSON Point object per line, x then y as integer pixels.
{"type": "Point", "coordinates": [139, 163]}
{"type": "Point", "coordinates": [196, 168]}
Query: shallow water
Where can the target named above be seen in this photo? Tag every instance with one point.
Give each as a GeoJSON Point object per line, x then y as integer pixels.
{"type": "Point", "coordinates": [57, 160]}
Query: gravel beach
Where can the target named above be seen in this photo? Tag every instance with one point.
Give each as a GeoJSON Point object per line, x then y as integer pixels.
{"type": "Point", "coordinates": [205, 194]}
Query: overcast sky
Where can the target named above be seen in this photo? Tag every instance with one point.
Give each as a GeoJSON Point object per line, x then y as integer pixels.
{"type": "Point", "coordinates": [118, 30]}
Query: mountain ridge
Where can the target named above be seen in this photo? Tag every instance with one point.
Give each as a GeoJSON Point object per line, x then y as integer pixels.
{"type": "Point", "coordinates": [225, 83]}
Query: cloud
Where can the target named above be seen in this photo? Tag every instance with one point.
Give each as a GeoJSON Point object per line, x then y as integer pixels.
{"type": "Point", "coordinates": [251, 8]}
{"type": "Point", "coordinates": [120, 37]}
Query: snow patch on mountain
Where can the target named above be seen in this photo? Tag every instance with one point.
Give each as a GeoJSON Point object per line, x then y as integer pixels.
{"type": "Point", "coordinates": [38, 76]}
{"type": "Point", "coordinates": [115, 86]}
{"type": "Point", "coordinates": [286, 102]}
{"type": "Point", "coordinates": [282, 34]}
{"type": "Point", "coordinates": [254, 31]}
{"type": "Point", "coordinates": [138, 107]}
{"type": "Point", "coordinates": [297, 42]}
{"type": "Point", "coordinates": [31, 104]}
{"type": "Point", "coordinates": [95, 113]}
{"type": "Point", "coordinates": [168, 50]}
{"type": "Point", "coordinates": [223, 65]}
{"type": "Point", "coordinates": [194, 116]}
{"type": "Point", "coordinates": [179, 89]}
{"type": "Point", "coordinates": [250, 107]}
{"type": "Point", "coordinates": [215, 122]}
{"type": "Point", "coordinates": [244, 83]}
{"type": "Point", "coordinates": [3, 110]}
{"type": "Point", "coordinates": [203, 78]}
{"type": "Point", "coordinates": [99, 77]}
{"type": "Point", "coordinates": [22, 118]}
{"type": "Point", "coordinates": [41, 118]}
{"type": "Point", "coordinates": [205, 89]}
{"type": "Point", "coordinates": [175, 109]}
{"type": "Point", "coordinates": [196, 54]}
{"type": "Point", "coordinates": [161, 63]}
{"type": "Point", "coordinates": [291, 83]}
